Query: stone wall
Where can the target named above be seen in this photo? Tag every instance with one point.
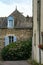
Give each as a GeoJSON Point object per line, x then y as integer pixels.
{"type": "Point", "coordinates": [21, 34]}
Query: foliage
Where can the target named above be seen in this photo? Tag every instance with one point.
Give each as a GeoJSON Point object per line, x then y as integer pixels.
{"type": "Point", "coordinates": [17, 51]}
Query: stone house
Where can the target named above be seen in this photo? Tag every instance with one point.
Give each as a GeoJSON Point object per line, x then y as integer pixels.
{"type": "Point", "coordinates": [37, 53]}
{"type": "Point", "coordinates": [15, 27]}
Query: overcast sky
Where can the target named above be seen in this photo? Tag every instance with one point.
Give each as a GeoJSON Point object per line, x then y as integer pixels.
{"type": "Point", "coordinates": [8, 6]}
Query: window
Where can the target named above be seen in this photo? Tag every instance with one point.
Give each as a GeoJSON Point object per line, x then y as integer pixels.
{"type": "Point", "coordinates": [11, 39]}
{"type": "Point", "coordinates": [10, 22]}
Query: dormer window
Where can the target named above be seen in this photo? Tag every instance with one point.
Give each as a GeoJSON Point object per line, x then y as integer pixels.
{"type": "Point", "coordinates": [10, 22]}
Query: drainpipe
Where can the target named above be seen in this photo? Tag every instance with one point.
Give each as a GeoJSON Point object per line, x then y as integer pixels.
{"type": "Point", "coordinates": [39, 43]}
{"type": "Point", "coordinates": [39, 7]}
{"type": "Point", "coordinates": [38, 20]}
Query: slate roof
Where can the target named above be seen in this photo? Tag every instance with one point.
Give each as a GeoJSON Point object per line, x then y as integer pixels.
{"type": "Point", "coordinates": [3, 22]}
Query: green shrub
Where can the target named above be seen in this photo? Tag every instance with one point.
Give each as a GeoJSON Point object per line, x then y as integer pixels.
{"type": "Point", "coordinates": [17, 51]}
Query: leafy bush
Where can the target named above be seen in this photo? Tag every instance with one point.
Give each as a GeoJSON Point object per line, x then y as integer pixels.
{"type": "Point", "coordinates": [17, 51]}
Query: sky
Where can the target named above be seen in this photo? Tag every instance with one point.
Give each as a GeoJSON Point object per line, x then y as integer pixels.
{"type": "Point", "coordinates": [8, 6]}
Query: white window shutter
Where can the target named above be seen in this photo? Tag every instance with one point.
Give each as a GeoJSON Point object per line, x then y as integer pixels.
{"type": "Point", "coordinates": [15, 39]}
{"type": "Point", "coordinates": [6, 40]}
